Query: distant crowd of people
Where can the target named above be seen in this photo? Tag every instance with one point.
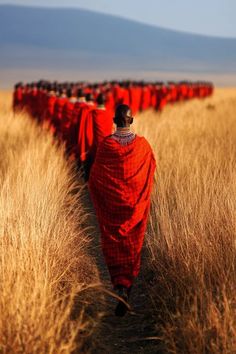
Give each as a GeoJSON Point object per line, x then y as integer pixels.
{"type": "Point", "coordinates": [81, 114]}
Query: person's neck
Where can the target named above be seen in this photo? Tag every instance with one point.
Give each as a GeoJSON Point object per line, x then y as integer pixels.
{"type": "Point", "coordinates": [101, 106]}
{"type": "Point", "coordinates": [124, 129]}
{"type": "Point", "coordinates": [81, 100]}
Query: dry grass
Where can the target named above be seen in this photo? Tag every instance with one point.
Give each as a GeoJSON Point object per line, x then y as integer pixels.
{"type": "Point", "coordinates": [44, 269]}
{"type": "Point", "coordinates": [192, 232]}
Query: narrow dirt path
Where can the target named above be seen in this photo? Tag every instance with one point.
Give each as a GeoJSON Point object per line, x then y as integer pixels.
{"type": "Point", "coordinates": [130, 334]}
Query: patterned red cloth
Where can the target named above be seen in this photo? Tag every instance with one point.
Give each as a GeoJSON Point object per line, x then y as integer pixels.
{"type": "Point", "coordinates": [18, 99]}
{"type": "Point", "coordinates": [102, 123]}
{"type": "Point", "coordinates": [120, 185]}
{"type": "Point", "coordinates": [50, 105]}
{"type": "Point", "coordinates": [95, 124]}
{"type": "Point", "coordinates": [57, 115]}
{"type": "Point", "coordinates": [66, 120]}
{"type": "Point", "coordinates": [85, 134]}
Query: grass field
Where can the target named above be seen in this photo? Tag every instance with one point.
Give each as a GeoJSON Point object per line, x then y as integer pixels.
{"type": "Point", "coordinates": [45, 272]}
{"type": "Point", "coordinates": [192, 232]}
{"type": "Point", "coordinates": [190, 268]}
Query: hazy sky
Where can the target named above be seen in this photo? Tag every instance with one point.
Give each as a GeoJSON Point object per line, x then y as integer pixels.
{"type": "Point", "coordinates": [212, 17]}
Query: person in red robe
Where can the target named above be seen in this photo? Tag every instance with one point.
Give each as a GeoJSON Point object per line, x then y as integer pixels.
{"type": "Point", "coordinates": [25, 98]}
{"type": "Point", "coordinates": [146, 97]}
{"type": "Point", "coordinates": [102, 122]}
{"type": "Point", "coordinates": [161, 99]}
{"type": "Point", "coordinates": [58, 109]}
{"type": "Point", "coordinates": [33, 100]}
{"type": "Point", "coordinates": [18, 97]}
{"type": "Point", "coordinates": [110, 102]}
{"type": "Point", "coordinates": [66, 121]}
{"type": "Point", "coordinates": [81, 108]}
{"type": "Point", "coordinates": [96, 123]}
{"type": "Point", "coordinates": [50, 106]}
{"type": "Point", "coordinates": [120, 184]}
{"type": "Point", "coordinates": [80, 103]}
{"type": "Point", "coordinates": [126, 94]}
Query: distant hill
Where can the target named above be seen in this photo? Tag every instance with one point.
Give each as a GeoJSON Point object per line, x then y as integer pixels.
{"type": "Point", "coordinates": [77, 39]}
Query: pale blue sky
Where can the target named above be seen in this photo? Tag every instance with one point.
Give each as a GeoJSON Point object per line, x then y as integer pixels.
{"type": "Point", "coordinates": [209, 17]}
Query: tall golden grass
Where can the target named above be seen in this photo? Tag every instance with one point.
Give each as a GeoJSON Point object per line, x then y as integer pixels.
{"type": "Point", "coordinates": [44, 266]}
{"type": "Point", "coordinates": [192, 233]}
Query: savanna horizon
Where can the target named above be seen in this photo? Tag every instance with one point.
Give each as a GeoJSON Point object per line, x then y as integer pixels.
{"type": "Point", "coordinates": [10, 76]}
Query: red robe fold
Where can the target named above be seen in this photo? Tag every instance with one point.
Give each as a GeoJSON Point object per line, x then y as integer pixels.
{"type": "Point", "coordinates": [161, 99]}
{"type": "Point", "coordinates": [66, 121]}
{"type": "Point", "coordinates": [120, 185]}
{"type": "Point", "coordinates": [18, 99]}
{"type": "Point", "coordinates": [126, 96]}
{"type": "Point", "coordinates": [50, 105]}
{"type": "Point", "coordinates": [75, 123]}
{"type": "Point", "coordinates": [77, 109]}
{"type": "Point", "coordinates": [102, 124]}
{"type": "Point", "coordinates": [95, 125]}
{"type": "Point", "coordinates": [33, 102]}
{"type": "Point", "coordinates": [43, 104]}
{"type": "Point", "coordinates": [146, 98]}
{"type": "Point", "coordinates": [110, 102]}
{"type": "Point", "coordinates": [57, 116]}
{"type": "Point", "coordinates": [85, 134]}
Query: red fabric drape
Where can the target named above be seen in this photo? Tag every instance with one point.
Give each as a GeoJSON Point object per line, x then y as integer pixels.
{"type": "Point", "coordinates": [102, 123]}
{"type": "Point", "coordinates": [57, 116]}
{"type": "Point", "coordinates": [85, 134]}
{"type": "Point", "coordinates": [66, 120]}
{"type": "Point", "coordinates": [120, 184]}
{"type": "Point", "coordinates": [51, 100]}
{"type": "Point", "coordinates": [95, 124]}
{"type": "Point", "coordinates": [18, 99]}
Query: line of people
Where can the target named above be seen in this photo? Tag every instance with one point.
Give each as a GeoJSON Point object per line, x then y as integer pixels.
{"type": "Point", "coordinates": [81, 114]}
{"type": "Point", "coordinates": [121, 175]}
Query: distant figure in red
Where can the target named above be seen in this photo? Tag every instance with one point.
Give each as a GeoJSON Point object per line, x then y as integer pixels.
{"type": "Point", "coordinates": [102, 123]}
{"type": "Point", "coordinates": [95, 125]}
{"type": "Point", "coordinates": [50, 106]}
{"type": "Point", "coordinates": [58, 109]}
{"type": "Point", "coordinates": [120, 183]}
{"type": "Point", "coordinates": [66, 120]}
{"type": "Point", "coordinates": [18, 97]}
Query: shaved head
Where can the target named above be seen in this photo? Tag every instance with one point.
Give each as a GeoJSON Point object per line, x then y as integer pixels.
{"type": "Point", "coordinates": [123, 116]}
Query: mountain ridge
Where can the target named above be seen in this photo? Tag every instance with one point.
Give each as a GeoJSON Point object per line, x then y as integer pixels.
{"type": "Point", "coordinates": [114, 17]}
{"type": "Point", "coordinates": [61, 37]}
{"type": "Point", "coordinates": [117, 17]}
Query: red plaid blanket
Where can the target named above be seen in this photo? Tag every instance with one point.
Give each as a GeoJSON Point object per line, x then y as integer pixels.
{"type": "Point", "coordinates": [120, 184]}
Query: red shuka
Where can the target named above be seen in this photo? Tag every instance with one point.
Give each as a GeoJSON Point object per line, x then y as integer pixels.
{"type": "Point", "coordinates": [146, 98]}
{"type": "Point", "coordinates": [75, 123]}
{"type": "Point", "coordinates": [18, 99]}
{"type": "Point", "coordinates": [102, 122]}
{"type": "Point", "coordinates": [95, 124]}
{"type": "Point", "coordinates": [85, 134]}
{"type": "Point", "coordinates": [110, 102]}
{"type": "Point", "coordinates": [50, 105]}
{"type": "Point", "coordinates": [57, 116]}
{"type": "Point", "coordinates": [120, 184]}
{"type": "Point", "coordinates": [135, 97]}
{"type": "Point", "coordinates": [66, 120]}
